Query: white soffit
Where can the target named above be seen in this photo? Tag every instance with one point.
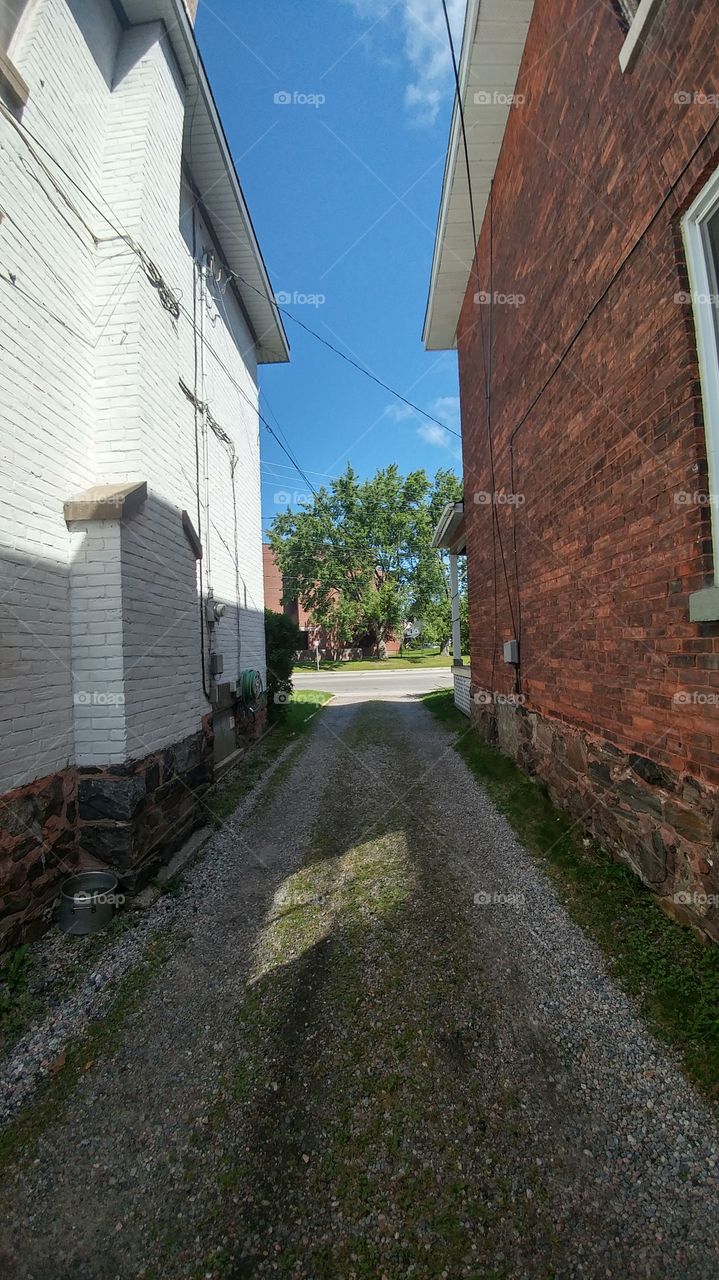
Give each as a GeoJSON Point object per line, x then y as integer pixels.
{"type": "Point", "coordinates": [207, 156]}
{"type": "Point", "coordinates": [495, 33]}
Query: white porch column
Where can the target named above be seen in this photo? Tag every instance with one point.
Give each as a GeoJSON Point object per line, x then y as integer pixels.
{"type": "Point", "coordinates": [456, 629]}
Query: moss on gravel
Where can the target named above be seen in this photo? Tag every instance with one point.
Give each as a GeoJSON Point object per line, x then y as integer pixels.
{"type": "Point", "coordinates": [292, 721]}
{"type": "Point", "coordinates": [359, 1146]}
{"type": "Point", "coordinates": [80, 1056]}
{"type": "Point", "coordinates": [666, 966]}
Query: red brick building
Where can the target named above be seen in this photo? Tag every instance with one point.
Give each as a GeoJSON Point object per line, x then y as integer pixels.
{"type": "Point", "coordinates": [275, 599]}
{"type": "Point", "coordinates": [587, 331]}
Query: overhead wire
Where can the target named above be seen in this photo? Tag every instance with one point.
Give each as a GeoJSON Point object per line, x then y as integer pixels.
{"type": "Point", "coordinates": [343, 356]}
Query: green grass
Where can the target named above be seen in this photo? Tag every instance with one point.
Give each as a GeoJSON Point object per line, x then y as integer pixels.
{"type": "Point", "coordinates": [18, 1003]}
{"type": "Point", "coordinates": [291, 721]}
{"type": "Point", "coordinates": [415, 658]}
{"type": "Point", "coordinates": [672, 973]}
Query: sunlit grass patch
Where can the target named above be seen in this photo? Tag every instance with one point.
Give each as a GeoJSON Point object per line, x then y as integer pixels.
{"type": "Point", "coordinates": [363, 883]}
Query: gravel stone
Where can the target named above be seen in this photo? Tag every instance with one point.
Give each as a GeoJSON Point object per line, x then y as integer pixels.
{"type": "Point", "coordinates": [562, 1136]}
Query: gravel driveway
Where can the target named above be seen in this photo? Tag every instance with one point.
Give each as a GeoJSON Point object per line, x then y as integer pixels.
{"type": "Point", "coordinates": [379, 1048]}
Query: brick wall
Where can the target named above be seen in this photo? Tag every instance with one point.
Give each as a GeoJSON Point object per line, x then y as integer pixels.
{"type": "Point", "coordinates": [598, 431]}
{"type": "Point", "coordinates": [272, 579]}
{"type": "Point", "coordinates": [47, 324]}
{"type": "Point", "coordinates": [100, 661]}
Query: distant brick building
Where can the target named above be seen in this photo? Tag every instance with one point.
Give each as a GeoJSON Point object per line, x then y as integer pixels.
{"type": "Point", "coordinates": [586, 327]}
{"type": "Point", "coordinates": [294, 608]}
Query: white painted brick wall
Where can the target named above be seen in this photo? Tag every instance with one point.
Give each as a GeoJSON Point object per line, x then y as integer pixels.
{"type": "Point", "coordinates": [90, 364]}
{"type": "Point", "coordinates": [46, 342]}
{"type": "Point", "coordinates": [462, 682]}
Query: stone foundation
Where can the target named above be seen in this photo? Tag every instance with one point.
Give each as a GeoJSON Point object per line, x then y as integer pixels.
{"type": "Point", "coordinates": [38, 849]}
{"type": "Point", "coordinates": [251, 724]}
{"type": "Point", "coordinates": [132, 816]}
{"type": "Point", "coordinates": [663, 824]}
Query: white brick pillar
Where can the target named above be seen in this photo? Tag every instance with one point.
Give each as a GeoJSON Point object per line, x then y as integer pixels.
{"type": "Point", "coordinates": [94, 519]}
{"type": "Point", "coordinates": [98, 689]}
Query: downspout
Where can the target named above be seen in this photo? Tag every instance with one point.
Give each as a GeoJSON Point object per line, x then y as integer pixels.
{"type": "Point", "coordinates": [205, 690]}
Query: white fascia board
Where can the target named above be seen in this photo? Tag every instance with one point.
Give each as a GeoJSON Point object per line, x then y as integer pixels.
{"type": "Point", "coordinates": [448, 525]}
{"type": "Point", "coordinates": [495, 33]}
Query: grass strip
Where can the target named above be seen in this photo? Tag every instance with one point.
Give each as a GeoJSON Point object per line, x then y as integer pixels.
{"type": "Point", "coordinates": [672, 973]}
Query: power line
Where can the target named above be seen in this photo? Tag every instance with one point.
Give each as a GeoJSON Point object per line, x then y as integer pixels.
{"type": "Point", "coordinates": [360, 368]}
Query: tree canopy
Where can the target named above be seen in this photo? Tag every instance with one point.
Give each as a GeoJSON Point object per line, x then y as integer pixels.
{"type": "Point", "coordinates": [360, 560]}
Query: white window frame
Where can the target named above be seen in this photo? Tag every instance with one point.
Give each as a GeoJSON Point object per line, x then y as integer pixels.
{"type": "Point", "coordinates": [10, 79]}
{"type": "Point", "coordinates": [637, 33]}
{"type": "Point", "coordinates": [706, 324]}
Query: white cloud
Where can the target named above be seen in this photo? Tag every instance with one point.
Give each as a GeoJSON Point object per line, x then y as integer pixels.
{"type": "Point", "coordinates": [400, 412]}
{"type": "Point", "coordinates": [432, 434]}
{"type": "Point", "coordinates": [426, 48]}
{"type": "Point", "coordinates": [446, 408]}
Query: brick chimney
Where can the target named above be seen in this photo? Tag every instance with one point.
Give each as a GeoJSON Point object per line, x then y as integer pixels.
{"type": "Point", "coordinates": [191, 6]}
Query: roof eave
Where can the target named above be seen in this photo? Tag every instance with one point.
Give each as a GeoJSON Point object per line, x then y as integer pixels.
{"type": "Point", "coordinates": [493, 44]}
{"type": "Point", "coordinates": [449, 534]}
{"type": "Point", "coordinates": [221, 193]}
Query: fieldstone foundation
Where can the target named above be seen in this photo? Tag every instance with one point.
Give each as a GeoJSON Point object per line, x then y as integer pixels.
{"type": "Point", "coordinates": [38, 849]}
{"type": "Point", "coordinates": [132, 816]}
{"type": "Point", "coordinates": [664, 824]}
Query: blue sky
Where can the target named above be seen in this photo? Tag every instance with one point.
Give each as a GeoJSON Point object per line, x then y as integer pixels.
{"type": "Point", "coordinates": [344, 196]}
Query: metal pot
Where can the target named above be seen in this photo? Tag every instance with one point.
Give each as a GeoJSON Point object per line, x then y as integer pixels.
{"type": "Point", "coordinates": [87, 902]}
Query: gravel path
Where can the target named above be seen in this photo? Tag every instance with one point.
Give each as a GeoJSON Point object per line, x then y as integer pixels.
{"type": "Point", "coordinates": [380, 1048]}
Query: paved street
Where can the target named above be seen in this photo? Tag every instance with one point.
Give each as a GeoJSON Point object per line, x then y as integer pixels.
{"type": "Point", "coordinates": [387, 686]}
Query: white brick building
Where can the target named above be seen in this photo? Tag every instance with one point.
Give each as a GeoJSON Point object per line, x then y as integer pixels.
{"type": "Point", "coordinates": [134, 311]}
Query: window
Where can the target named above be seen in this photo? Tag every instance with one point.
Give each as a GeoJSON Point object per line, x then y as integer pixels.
{"type": "Point", "coordinates": [11, 11]}
{"type": "Point", "coordinates": [626, 12]}
{"type": "Point", "coordinates": [637, 16]}
{"type": "Point", "coordinates": [700, 228]}
{"type": "Point", "coordinates": [11, 15]}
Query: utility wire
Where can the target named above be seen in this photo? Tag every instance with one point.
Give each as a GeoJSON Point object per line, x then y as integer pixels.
{"type": "Point", "coordinates": [355, 365]}
{"type": "Point", "coordinates": [172, 303]}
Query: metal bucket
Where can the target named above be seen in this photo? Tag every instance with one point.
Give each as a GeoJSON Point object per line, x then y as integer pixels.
{"type": "Point", "coordinates": [87, 902]}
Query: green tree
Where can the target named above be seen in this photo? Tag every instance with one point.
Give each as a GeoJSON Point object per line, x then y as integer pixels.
{"type": "Point", "coordinates": [360, 559]}
{"type": "Point", "coordinates": [282, 640]}
{"type": "Point", "coordinates": [431, 601]}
